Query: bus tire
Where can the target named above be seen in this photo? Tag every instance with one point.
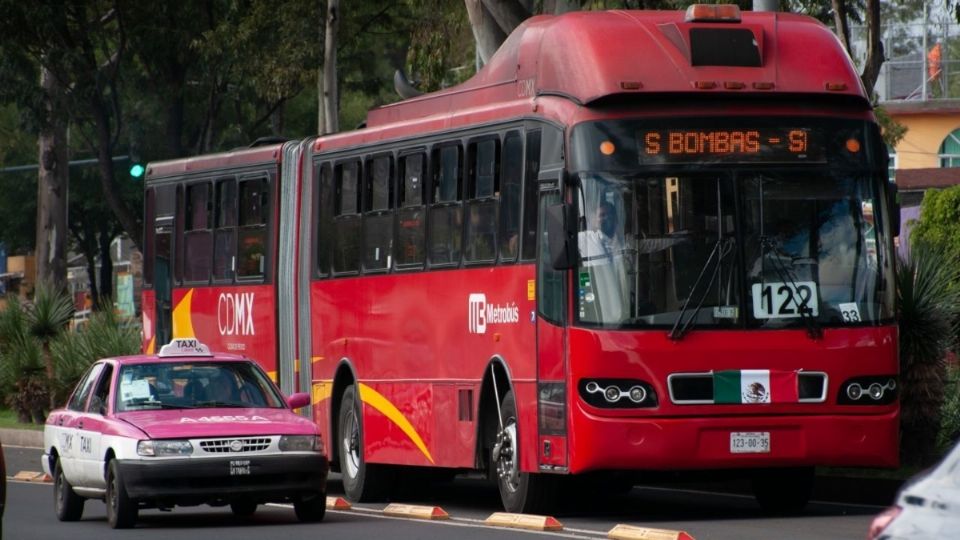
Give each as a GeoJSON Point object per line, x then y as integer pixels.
{"type": "Point", "coordinates": [67, 504]}
{"type": "Point", "coordinates": [520, 492]}
{"type": "Point", "coordinates": [783, 491]}
{"type": "Point", "coordinates": [362, 482]}
{"type": "Point", "coordinates": [121, 509]}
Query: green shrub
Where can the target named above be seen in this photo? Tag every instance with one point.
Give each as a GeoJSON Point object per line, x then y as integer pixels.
{"type": "Point", "coordinates": [950, 413]}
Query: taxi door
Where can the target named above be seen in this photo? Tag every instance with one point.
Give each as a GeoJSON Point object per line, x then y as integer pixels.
{"type": "Point", "coordinates": [68, 423]}
{"type": "Point", "coordinates": [90, 427]}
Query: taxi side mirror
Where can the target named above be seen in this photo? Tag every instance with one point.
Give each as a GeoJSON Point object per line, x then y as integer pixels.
{"type": "Point", "coordinates": [298, 400]}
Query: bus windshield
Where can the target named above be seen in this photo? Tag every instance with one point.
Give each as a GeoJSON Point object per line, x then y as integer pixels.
{"type": "Point", "coordinates": [756, 248]}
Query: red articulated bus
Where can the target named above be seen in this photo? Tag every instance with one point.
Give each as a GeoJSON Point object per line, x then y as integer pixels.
{"type": "Point", "coordinates": [634, 241]}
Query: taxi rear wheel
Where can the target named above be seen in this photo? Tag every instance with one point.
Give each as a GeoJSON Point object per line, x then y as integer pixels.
{"type": "Point", "coordinates": [362, 482]}
{"type": "Point", "coordinates": [311, 508]}
{"type": "Point", "coordinates": [243, 507]}
{"type": "Point", "coordinates": [68, 505]}
{"type": "Point", "coordinates": [121, 509]}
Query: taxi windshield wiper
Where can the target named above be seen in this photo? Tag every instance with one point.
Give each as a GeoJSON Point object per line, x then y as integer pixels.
{"type": "Point", "coordinates": [786, 275]}
{"type": "Point", "coordinates": [720, 250]}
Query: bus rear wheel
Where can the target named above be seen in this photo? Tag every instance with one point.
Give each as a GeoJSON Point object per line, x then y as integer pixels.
{"type": "Point", "coordinates": [362, 482]}
{"type": "Point", "coordinates": [525, 493]}
{"type": "Point", "coordinates": [783, 491]}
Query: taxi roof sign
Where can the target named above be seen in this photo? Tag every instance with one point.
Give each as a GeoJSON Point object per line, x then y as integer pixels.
{"type": "Point", "coordinates": [184, 347]}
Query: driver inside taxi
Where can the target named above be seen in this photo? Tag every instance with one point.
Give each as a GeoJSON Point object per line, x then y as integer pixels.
{"type": "Point", "coordinates": [222, 388]}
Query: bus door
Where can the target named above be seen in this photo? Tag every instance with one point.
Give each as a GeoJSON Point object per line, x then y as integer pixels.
{"type": "Point", "coordinates": [163, 278]}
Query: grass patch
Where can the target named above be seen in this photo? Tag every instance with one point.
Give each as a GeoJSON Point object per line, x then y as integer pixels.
{"type": "Point", "coordinates": [8, 420]}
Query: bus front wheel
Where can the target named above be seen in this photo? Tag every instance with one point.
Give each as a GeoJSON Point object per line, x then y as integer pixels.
{"type": "Point", "coordinates": [520, 492]}
{"type": "Point", "coordinates": [362, 482]}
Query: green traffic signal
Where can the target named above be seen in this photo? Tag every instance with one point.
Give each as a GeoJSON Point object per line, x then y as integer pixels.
{"type": "Point", "coordinates": [137, 170]}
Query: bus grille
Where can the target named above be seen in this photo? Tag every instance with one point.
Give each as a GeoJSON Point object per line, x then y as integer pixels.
{"type": "Point", "coordinates": [697, 388]}
{"type": "Point", "coordinates": [233, 446]}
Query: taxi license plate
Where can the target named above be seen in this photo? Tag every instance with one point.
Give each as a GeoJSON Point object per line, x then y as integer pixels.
{"type": "Point", "coordinates": [750, 442]}
{"type": "Point", "coordinates": [239, 467]}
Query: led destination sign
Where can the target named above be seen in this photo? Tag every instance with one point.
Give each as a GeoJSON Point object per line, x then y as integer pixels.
{"type": "Point", "coordinates": [765, 145]}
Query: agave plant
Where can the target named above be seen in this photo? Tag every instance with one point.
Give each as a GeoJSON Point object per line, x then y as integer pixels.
{"type": "Point", "coordinates": [928, 294]}
{"type": "Point", "coordinates": [48, 316]}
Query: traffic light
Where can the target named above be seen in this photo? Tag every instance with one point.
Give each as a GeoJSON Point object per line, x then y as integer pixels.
{"type": "Point", "coordinates": [137, 170]}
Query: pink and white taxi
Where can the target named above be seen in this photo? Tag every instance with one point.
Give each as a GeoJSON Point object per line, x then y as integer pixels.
{"type": "Point", "coordinates": [185, 427]}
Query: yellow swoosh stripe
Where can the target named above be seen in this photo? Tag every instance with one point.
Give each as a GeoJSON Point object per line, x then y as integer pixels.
{"type": "Point", "coordinates": [182, 323]}
{"type": "Point", "coordinates": [376, 400]}
{"type": "Point", "coordinates": [151, 345]}
{"type": "Point", "coordinates": [322, 391]}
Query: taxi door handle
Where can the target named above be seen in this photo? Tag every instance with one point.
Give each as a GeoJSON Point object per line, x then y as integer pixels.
{"type": "Point", "coordinates": [80, 425]}
{"type": "Point", "coordinates": [60, 421]}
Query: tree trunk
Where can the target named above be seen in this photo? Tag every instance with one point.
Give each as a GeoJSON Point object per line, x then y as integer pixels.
{"type": "Point", "coordinates": [108, 181]}
{"type": "Point", "coordinates": [52, 185]}
{"type": "Point", "coordinates": [871, 68]}
{"type": "Point", "coordinates": [321, 122]}
{"type": "Point", "coordinates": [486, 32]}
{"type": "Point", "coordinates": [330, 97]}
{"type": "Point", "coordinates": [104, 301]}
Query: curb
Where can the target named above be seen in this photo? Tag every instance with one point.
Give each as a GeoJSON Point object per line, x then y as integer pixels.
{"type": "Point", "coordinates": [21, 437]}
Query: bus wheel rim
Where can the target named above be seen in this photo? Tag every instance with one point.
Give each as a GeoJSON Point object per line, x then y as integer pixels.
{"type": "Point", "coordinates": [351, 445]}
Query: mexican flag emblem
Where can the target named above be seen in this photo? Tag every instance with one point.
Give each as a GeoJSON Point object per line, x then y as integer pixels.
{"type": "Point", "coordinates": [755, 386]}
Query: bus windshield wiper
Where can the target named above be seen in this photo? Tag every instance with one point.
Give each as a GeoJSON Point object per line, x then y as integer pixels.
{"type": "Point", "coordinates": [813, 327]}
{"type": "Point", "coordinates": [720, 250]}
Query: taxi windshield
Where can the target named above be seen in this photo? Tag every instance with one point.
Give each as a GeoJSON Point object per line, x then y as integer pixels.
{"type": "Point", "coordinates": [194, 385]}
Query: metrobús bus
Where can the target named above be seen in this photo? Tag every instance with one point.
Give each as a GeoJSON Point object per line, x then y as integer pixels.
{"type": "Point", "coordinates": [634, 241]}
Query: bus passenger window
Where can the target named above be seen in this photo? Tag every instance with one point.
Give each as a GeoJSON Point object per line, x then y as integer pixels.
{"type": "Point", "coordinates": [197, 241]}
{"type": "Point", "coordinates": [378, 220]}
{"type": "Point", "coordinates": [346, 250]}
{"type": "Point", "coordinates": [412, 217]}
{"type": "Point", "coordinates": [511, 180]}
{"type": "Point", "coordinates": [481, 225]}
{"type": "Point", "coordinates": [531, 171]}
{"type": "Point", "coordinates": [225, 230]}
{"type": "Point", "coordinates": [254, 200]}
{"type": "Point", "coordinates": [446, 212]}
{"type": "Point", "coordinates": [325, 211]}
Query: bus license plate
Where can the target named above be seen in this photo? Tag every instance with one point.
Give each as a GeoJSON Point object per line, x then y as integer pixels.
{"type": "Point", "coordinates": [751, 442]}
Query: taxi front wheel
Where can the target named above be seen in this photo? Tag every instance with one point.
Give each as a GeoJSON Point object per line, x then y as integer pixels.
{"type": "Point", "coordinates": [121, 509]}
{"type": "Point", "coordinates": [311, 508]}
{"type": "Point", "coordinates": [68, 505]}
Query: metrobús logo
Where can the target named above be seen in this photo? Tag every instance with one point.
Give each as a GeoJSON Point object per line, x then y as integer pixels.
{"type": "Point", "coordinates": [235, 314]}
{"type": "Point", "coordinates": [480, 313]}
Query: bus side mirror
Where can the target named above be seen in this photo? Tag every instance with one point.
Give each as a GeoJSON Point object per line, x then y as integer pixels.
{"type": "Point", "coordinates": [560, 237]}
{"type": "Point", "coordinates": [894, 203]}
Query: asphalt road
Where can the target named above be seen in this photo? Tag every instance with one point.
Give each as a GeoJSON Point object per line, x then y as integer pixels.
{"type": "Point", "coordinates": [469, 501]}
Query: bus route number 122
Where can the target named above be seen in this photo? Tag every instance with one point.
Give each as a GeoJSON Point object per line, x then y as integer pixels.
{"type": "Point", "coordinates": [774, 300]}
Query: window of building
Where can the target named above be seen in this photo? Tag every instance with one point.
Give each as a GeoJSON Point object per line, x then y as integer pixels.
{"type": "Point", "coordinates": [197, 236]}
{"type": "Point", "coordinates": [950, 150]}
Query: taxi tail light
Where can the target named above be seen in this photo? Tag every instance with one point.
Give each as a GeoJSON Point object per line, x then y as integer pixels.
{"type": "Point", "coordinates": [882, 521]}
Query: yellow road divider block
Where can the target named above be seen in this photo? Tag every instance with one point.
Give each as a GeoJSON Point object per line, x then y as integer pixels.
{"type": "Point", "coordinates": [524, 521]}
{"type": "Point", "coordinates": [32, 476]}
{"type": "Point", "coordinates": [415, 512]}
{"type": "Point", "coordinates": [338, 503]}
{"type": "Point", "coordinates": [629, 532]}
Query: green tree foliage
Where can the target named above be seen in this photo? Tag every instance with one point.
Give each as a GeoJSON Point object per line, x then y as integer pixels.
{"type": "Point", "coordinates": [939, 223]}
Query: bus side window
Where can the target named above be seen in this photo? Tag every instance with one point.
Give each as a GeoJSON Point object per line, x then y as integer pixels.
{"type": "Point", "coordinates": [511, 182]}
{"type": "Point", "coordinates": [531, 171]}
{"type": "Point", "coordinates": [446, 211]}
{"type": "Point", "coordinates": [325, 212]}
{"type": "Point", "coordinates": [149, 236]}
{"type": "Point", "coordinates": [378, 215]}
{"type": "Point", "coordinates": [346, 250]}
{"type": "Point", "coordinates": [225, 230]}
{"type": "Point", "coordinates": [412, 216]}
{"type": "Point", "coordinates": [481, 223]}
{"type": "Point", "coordinates": [197, 235]}
{"type": "Point", "coordinates": [253, 214]}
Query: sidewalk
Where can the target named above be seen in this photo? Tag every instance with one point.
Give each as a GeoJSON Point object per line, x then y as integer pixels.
{"type": "Point", "coordinates": [21, 437]}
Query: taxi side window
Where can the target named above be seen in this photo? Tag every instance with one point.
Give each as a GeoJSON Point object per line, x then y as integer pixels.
{"type": "Point", "coordinates": [98, 403]}
{"type": "Point", "coordinates": [80, 394]}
